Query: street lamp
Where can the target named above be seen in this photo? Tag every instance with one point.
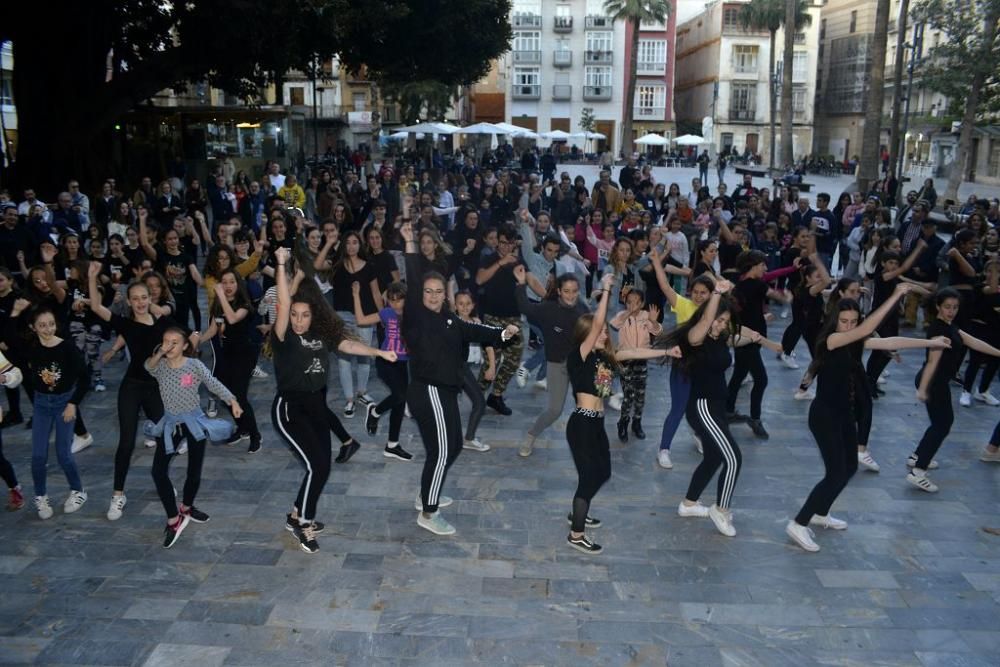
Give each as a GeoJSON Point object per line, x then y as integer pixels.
{"type": "Point", "coordinates": [915, 48]}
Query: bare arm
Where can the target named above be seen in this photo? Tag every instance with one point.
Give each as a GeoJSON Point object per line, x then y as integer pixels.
{"type": "Point", "coordinates": [646, 353]}
{"type": "Point", "coordinates": [893, 343]}
{"type": "Point", "coordinates": [867, 328]}
{"type": "Point", "coordinates": [697, 333]}
{"type": "Point", "coordinates": [963, 265]}
{"type": "Point", "coordinates": [284, 306]}
{"type": "Point", "coordinates": [933, 358]}
{"type": "Point", "coordinates": [661, 278]}
{"type": "Point", "coordinates": [143, 241]}
{"type": "Point", "coordinates": [320, 262]}
{"type": "Point", "coordinates": [597, 325]}
{"type": "Point", "coordinates": [978, 345]}
{"type": "Point", "coordinates": [96, 306]}
{"type": "Point", "coordinates": [361, 350]}
{"type": "Point", "coordinates": [359, 315]}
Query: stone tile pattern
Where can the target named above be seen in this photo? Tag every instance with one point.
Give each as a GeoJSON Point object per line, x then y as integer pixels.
{"type": "Point", "coordinates": [912, 581]}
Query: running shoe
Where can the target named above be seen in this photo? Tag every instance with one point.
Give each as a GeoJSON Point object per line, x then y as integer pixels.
{"type": "Point", "coordinates": [307, 538]}
{"type": "Point", "coordinates": [43, 507]}
{"type": "Point", "coordinates": [789, 362]}
{"type": "Point", "coordinates": [758, 428]}
{"type": "Point", "coordinates": [435, 523]}
{"type": "Point", "coordinates": [919, 479]}
{"type": "Point", "coordinates": [116, 507]}
{"type": "Point", "coordinates": [965, 400]}
{"type": "Point", "coordinates": [866, 461]}
{"type": "Point", "coordinates": [195, 514]}
{"type": "Point", "coordinates": [911, 462]}
{"type": "Point", "coordinates": [521, 377]}
{"type": "Point", "coordinates": [829, 522]}
{"type": "Point", "coordinates": [347, 451]}
{"type": "Point", "coordinates": [371, 419]}
{"type": "Point", "coordinates": [396, 452]}
{"type": "Point", "coordinates": [584, 544]}
{"type": "Point", "coordinates": [477, 445]}
{"type": "Point", "coordinates": [663, 459]}
{"type": "Point", "coordinates": [15, 499]}
{"type": "Point", "coordinates": [213, 408]}
{"type": "Point", "coordinates": [349, 409]}
{"type": "Point", "coordinates": [497, 403]}
{"type": "Point", "coordinates": [723, 520]}
{"type": "Point", "coordinates": [259, 372]}
{"type": "Point", "coordinates": [987, 398]}
{"type": "Point", "coordinates": [987, 456]}
{"type": "Point", "coordinates": [697, 511]}
{"type": "Point", "coordinates": [365, 398]}
{"type": "Point", "coordinates": [292, 524]}
{"type": "Point", "coordinates": [172, 532]}
{"type": "Point", "coordinates": [237, 438]}
{"type": "Point", "coordinates": [524, 451]}
{"type": "Point", "coordinates": [81, 442]}
{"type": "Point", "coordinates": [589, 522]}
{"type": "Point", "coordinates": [255, 445]}
{"type": "Point", "coordinates": [802, 536]}
{"type": "Point", "coordinates": [806, 394]}
{"type": "Point", "coordinates": [443, 501]}
{"type": "Point", "coordinates": [542, 384]}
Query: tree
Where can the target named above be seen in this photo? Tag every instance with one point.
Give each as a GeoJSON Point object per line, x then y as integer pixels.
{"type": "Point", "coordinates": [587, 122]}
{"type": "Point", "coordinates": [897, 91]}
{"type": "Point", "coordinates": [427, 99]}
{"type": "Point", "coordinates": [870, 154]}
{"type": "Point", "coordinates": [964, 66]}
{"type": "Point", "coordinates": [768, 16]}
{"type": "Point", "coordinates": [634, 12]}
{"type": "Point", "coordinates": [94, 61]}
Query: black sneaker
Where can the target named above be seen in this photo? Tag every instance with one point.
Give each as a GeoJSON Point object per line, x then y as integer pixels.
{"type": "Point", "coordinates": [758, 429]}
{"type": "Point", "coordinates": [347, 451]}
{"type": "Point", "coordinates": [12, 419]}
{"type": "Point", "coordinates": [589, 522]}
{"type": "Point", "coordinates": [396, 452]}
{"type": "Point", "coordinates": [254, 447]}
{"type": "Point", "coordinates": [307, 538]}
{"type": "Point", "coordinates": [237, 438]}
{"type": "Point", "coordinates": [291, 525]}
{"type": "Point", "coordinates": [196, 515]}
{"type": "Point", "coordinates": [496, 402]}
{"type": "Point", "coordinates": [371, 420]}
{"type": "Point", "coordinates": [172, 532]}
{"type": "Point", "coordinates": [584, 544]}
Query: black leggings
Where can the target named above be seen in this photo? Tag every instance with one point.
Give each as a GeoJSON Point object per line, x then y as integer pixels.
{"type": "Point", "coordinates": [837, 438]}
{"type": "Point", "coordinates": [475, 393]}
{"type": "Point", "coordinates": [6, 469]}
{"type": "Point", "coordinates": [588, 442]}
{"type": "Point", "coordinates": [995, 438]}
{"type": "Point", "coordinates": [294, 416]}
{"type": "Point", "coordinates": [748, 361]}
{"type": "Point", "coordinates": [941, 414]}
{"type": "Point", "coordinates": [161, 468]}
{"type": "Point", "coordinates": [793, 332]}
{"type": "Point", "coordinates": [977, 360]}
{"type": "Point", "coordinates": [132, 395]}
{"type": "Point", "coordinates": [707, 419]}
{"type": "Point", "coordinates": [234, 370]}
{"type": "Point", "coordinates": [396, 377]}
{"type": "Point", "coordinates": [440, 425]}
{"type": "Point", "coordinates": [13, 401]}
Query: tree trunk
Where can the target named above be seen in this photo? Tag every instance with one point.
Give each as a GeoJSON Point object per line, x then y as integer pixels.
{"type": "Point", "coordinates": [787, 144]}
{"type": "Point", "coordinates": [868, 167]}
{"type": "Point", "coordinates": [633, 68]}
{"type": "Point", "coordinates": [897, 93]}
{"type": "Point", "coordinates": [961, 167]}
{"type": "Point", "coordinates": [771, 97]}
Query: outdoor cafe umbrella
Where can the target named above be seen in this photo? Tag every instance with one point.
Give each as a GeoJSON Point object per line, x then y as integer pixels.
{"type": "Point", "coordinates": [690, 140]}
{"type": "Point", "coordinates": [652, 140]}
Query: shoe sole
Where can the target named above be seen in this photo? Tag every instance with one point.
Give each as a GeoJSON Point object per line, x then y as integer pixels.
{"type": "Point", "coordinates": [391, 455]}
{"type": "Point", "coordinates": [665, 467]}
{"type": "Point", "coordinates": [484, 448]}
{"type": "Point", "coordinates": [583, 549]}
{"type": "Point", "coordinates": [524, 453]}
{"type": "Point", "coordinates": [804, 547]}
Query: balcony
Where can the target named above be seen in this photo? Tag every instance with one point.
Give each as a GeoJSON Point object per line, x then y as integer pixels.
{"type": "Point", "coordinates": [527, 21]}
{"type": "Point", "coordinates": [645, 68]}
{"type": "Point", "coordinates": [800, 38]}
{"type": "Point", "coordinates": [598, 22]}
{"type": "Point", "coordinates": [649, 113]}
{"type": "Point", "coordinates": [598, 57]}
{"type": "Point", "coordinates": [562, 91]}
{"type": "Point", "coordinates": [527, 57]}
{"type": "Point", "coordinates": [596, 93]}
{"type": "Point", "coordinates": [745, 71]}
{"type": "Point", "coordinates": [742, 115]}
{"type": "Point", "coordinates": [562, 58]}
{"type": "Point", "coordinates": [526, 92]}
{"type": "Point", "coordinates": [562, 24]}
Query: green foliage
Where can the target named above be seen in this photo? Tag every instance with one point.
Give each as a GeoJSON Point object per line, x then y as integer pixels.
{"type": "Point", "coordinates": [637, 11]}
{"type": "Point", "coordinates": [587, 122]}
{"type": "Point", "coordinates": [769, 15]}
{"type": "Point", "coordinates": [428, 100]}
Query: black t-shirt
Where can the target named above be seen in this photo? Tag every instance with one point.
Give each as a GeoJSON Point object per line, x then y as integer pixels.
{"type": "Point", "coordinates": [883, 289]}
{"type": "Point", "coordinates": [728, 252]}
{"type": "Point", "coordinates": [499, 298]}
{"type": "Point", "coordinates": [343, 296]}
{"type": "Point", "coordinates": [383, 264]}
{"type": "Point", "coordinates": [592, 375]}
{"type": "Point", "coordinates": [238, 334]}
{"type": "Point", "coordinates": [135, 256]}
{"type": "Point", "coordinates": [959, 279]}
{"type": "Point", "coordinates": [708, 369]}
{"type": "Point", "coordinates": [116, 270]}
{"type": "Point", "coordinates": [141, 340]}
{"type": "Point", "coordinates": [951, 358]}
{"type": "Point", "coordinates": [175, 269]}
{"type": "Point", "coordinates": [750, 295]}
{"type": "Point", "coordinates": [75, 295]}
{"type": "Point", "coordinates": [840, 380]}
{"type": "Point", "coordinates": [300, 362]}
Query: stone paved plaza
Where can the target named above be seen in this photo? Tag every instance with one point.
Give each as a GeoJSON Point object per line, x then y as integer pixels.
{"type": "Point", "coordinates": [913, 581]}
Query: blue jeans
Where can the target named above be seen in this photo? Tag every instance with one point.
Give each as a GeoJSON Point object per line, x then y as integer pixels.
{"type": "Point", "coordinates": [537, 358]}
{"type": "Point", "coordinates": [680, 391]}
{"type": "Point", "coordinates": [48, 414]}
{"type": "Point", "coordinates": [347, 362]}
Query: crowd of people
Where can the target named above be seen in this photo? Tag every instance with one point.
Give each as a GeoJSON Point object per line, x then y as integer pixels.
{"type": "Point", "coordinates": [527, 275]}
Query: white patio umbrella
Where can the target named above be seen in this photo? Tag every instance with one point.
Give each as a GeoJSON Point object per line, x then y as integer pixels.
{"type": "Point", "coordinates": [430, 128]}
{"type": "Point", "coordinates": [588, 135]}
{"type": "Point", "coordinates": [525, 134]}
{"type": "Point", "coordinates": [652, 140]}
{"type": "Point", "coordinates": [401, 136]}
{"type": "Point", "coordinates": [484, 128]}
{"type": "Point", "coordinates": [516, 130]}
{"type": "Point", "coordinates": [690, 140]}
{"type": "Point", "coordinates": [556, 135]}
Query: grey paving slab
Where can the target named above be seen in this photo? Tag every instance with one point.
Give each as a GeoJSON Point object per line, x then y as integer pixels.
{"type": "Point", "coordinates": [166, 655]}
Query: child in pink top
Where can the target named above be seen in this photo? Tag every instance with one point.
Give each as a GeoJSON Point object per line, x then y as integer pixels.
{"type": "Point", "coordinates": [634, 325]}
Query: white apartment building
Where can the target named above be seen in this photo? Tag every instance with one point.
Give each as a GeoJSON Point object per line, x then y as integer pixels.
{"type": "Point", "coordinates": [722, 73]}
{"type": "Point", "coordinates": [566, 56]}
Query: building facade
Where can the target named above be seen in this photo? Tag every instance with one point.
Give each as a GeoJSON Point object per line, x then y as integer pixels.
{"type": "Point", "coordinates": [653, 110]}
{"type": "Point", "coordinates": [722, 74]}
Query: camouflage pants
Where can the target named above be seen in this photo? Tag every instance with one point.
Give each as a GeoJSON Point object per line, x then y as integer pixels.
{"type": "Point", "coordinates": [508, 358]}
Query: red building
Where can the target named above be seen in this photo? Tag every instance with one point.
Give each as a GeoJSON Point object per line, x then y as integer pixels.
{"type": "Point", "coordinates": [654, 93]}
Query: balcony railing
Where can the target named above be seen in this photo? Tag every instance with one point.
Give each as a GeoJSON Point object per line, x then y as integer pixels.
{"type": "Point", "coordinates": [598, 57]}
{"type": "Point", "coordinates": [562, 91]}
{"type": "Point", "coordinates": [527, 21]}
{"type": "Point", "coordinates": [598, 22]}
{"type": "Point", "coordinates": [596, 93]}
{"type": "Point", "coordinates": [526, 92]}
{"type": "Point", "coordinates": [800, 38]}
{"type": "Point", "coordinates": [527, 57]}
{"type": "Point", "coordinates": [562, 58]}
{"type": "Point", "coordinates": [649, 113]}
{"type": "Point", "coordinates": [646, 67]}
{"type": "Point", "coordinates": [742, 115]}
{"type": "Point", "coordinates": [746, 70]}
{"type": "Point", "coordinates": [562, 24]}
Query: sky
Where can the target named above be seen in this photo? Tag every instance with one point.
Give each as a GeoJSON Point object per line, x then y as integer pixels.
{"type": "Point", "coordinates": [688, 8]}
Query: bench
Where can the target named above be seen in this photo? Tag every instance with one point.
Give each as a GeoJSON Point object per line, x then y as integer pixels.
{"type": "Point", "coordinates": [744, 169]}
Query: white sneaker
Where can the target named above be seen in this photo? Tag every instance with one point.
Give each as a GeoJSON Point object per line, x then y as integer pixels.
{"type": "Point", "coordinates": [789, 362]}
{"type": "Point", "coordinates": [805, 394]}
{"type": "Point", "coordinates": [443, 501]}
{"type": "Point", "coordinates": [43, 507]}
{"type": "Point", "coordinates": [436, 524]}
{"type": "Point", "coordinates": [987, 398]}
{"type": "Point", "coordinates": [80, 443]}
{"type": "Point", "coordinates": [883, 378]}
{"type": "Point", "coordinates": [990, 457]}
{"type": "Point", "coordinates": [866, 461]}
{"type": "Point", "coordinates": [542, 384]}
{"type": "Point", "coordinates": [99, 386]}
{"type": "Point", "coordinates": [524, 451]}
{"type": "Point", "coordinates": [785, 312]}
{"type": "Point", "coordinates": [616, 401]}
{"type": "Point", "coordinates": [663, 458]}
{"type": "Point", "coordinates": [802, 536]}
{"type": "Point", "coordinates": [116, 507]}
{"type": "Point", "coordinates": [911, 462]}
{"type": "Point", "coordinates": [149, 442]}
{"type": "Point", "coordinates": [522, 376]}
{"type": "Point", "coordinates": [723, 520]}
{"type": "Point", "coordinates": [349, 409]}
{"type": "Point", "coordinates": [919, 479]}
{"type": "Point", "coordinates": [182, 448]}
{"type": "Point", "coordinates": [829, 522]}
{"type": "Point", "coordinates": [74, 501]}
{"type": "Point", "coordinates": [697, 510]}
{"type": "Point", "coordinates": [965, 400]}
{"type": "Point", "coordinates": [259, 372]}
{"type": "Point", "coordinates": [477, 445]}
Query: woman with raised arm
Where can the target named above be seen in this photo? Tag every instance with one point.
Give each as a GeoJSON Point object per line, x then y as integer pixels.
{"type": "Point", "coordinates": [305, 331]}
{"type": "Point", "coordinates": [833, 416]}
{"type": "Point", "coordinates": [435, 337]}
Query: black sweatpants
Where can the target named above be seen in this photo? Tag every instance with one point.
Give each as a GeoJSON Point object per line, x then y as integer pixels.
{"type": "Point", "coordinates": [132, 395]}
{"type": "Point", "coordinates": [475, 393]}
{"type": "Point", "coordinates": [13, 401]}
{"type": "Point", "coordinates": [161, 468]}
{"type": "Point", "coordinates": [396, 376]}
{"type": "Point", "coordinates": [708, 420]}
{"type": "Point", "coordinates": [588, 442]}
{"type": "Point", "coordinates": [941, 414]}
{"type": "Point", "coordinates": [298, 418]}
{"type": "Point", "coordinates": [977, 360]}
{"type": "Point", "coordinates": [234, 370]}
{"type": "Point", "coordinates": [837, 437]}
{"type": "Point", "coordinates": [440, 425]}
{"type": "Point", "coordinates": [790, 338]}
{"type": "Point", "coordinates": [747, 360]}
{"type": "Point", "coordinates": [6, 469]}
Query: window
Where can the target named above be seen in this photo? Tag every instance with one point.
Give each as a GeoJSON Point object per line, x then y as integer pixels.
{"type": "Point", "coordinates": [854, 21]}
{"type": "Point", "coordinates": [563, 11]}
{"type": "Point", "coordinates": [745, 59]}
{"type": "Point", "coordinates": [822, 29]}
{"type": "Point", "coordinates": [652, 55]}
{"type": "Point", "coordinates": [731, 19]}
{"type": "Point", "coordinates": [7, 89]}
{"type": "Point", "coordinates": [743, 101]}
{"type": "Point", "coordinates": [650, 100]}
{"type": "Point", "coordinates": [525, 40]}
{"type": "Point", "coordinates": [297, 95]}
{"type": "Point", "coordinates": [800, 63]}
{"type": "Point", "coordinates": [527, 7]}
{"type": "Point", "coordinates": [597, 76]}
{"type": "Point", "coordinates": [526, 76]}
{"type": "Point", "coordinates": [799, 100]}
{"type": "Point", "coordinates": [599, 40]}
{"type": "Point", "coordinates": [595, 8]}
{"type": "Point", "coordinates": [360, 101]}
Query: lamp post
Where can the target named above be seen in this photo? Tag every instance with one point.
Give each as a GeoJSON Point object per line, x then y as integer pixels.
{"type": "Point", "coordinates": [915, 48]}
{"type": "Point", "coordinates": [776, 81]}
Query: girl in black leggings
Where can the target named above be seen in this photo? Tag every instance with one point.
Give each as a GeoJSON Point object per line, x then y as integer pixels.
{"type": "Point", "coordinates": [932, 384]}
{"type": "Point", "coordinates": [833, 416]}
{"type": "Point", "coordinates": [305, 331]}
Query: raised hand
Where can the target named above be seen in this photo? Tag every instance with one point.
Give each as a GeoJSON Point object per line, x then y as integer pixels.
{"type": "Point", "coordinates": [282, 255]}
{"type": "Point", "coordinates": [654, 312]}
{"type": "Point", "coordinates": [94, 269]}
{"type": "Point", "coordinates": [723, 286]}
{"type": "Point", "coordinates": [519, 274]}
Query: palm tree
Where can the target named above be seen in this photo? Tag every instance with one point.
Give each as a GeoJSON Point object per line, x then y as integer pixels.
{"type": "Point", "coordinates": [634, 12]}
{"type": "Point", "coordinates": [769, 15]}
{"type": "Point", "coordinates": [868, 164]}
{"type": "Point", "coordinates": [797, 13]}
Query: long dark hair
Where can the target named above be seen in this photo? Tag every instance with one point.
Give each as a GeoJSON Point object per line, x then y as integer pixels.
{"type": "Point", "coordinates": [582, 329]}
{"type": "Point", "coordinates": [240, 300]}
{"type": "Point", "coordinates": [553, 292]}
{"type": "Point", "coordinates": [326, 325]}
{"type": "Point", "coordinates": [678, 336]}
{"type": "Point", "coordinates": [830, 327]}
